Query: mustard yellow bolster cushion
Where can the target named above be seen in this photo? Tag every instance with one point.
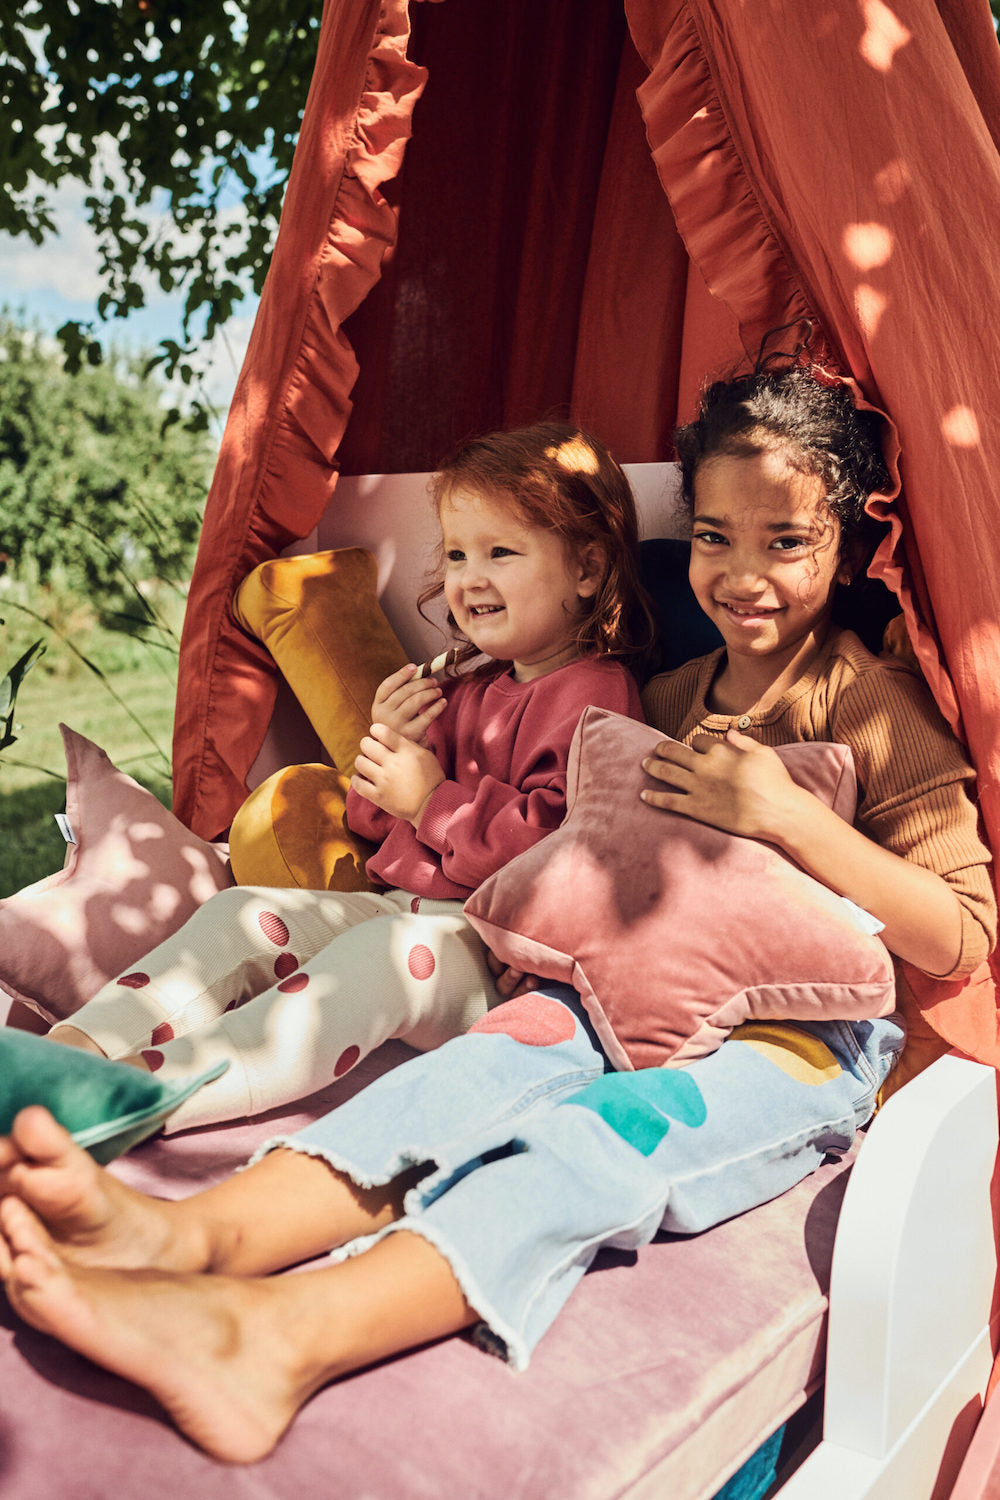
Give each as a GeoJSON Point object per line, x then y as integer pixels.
{"type": "Point", "coordinates": [320, 619]}
{"type": "Point", "coordinates": [292, 831]}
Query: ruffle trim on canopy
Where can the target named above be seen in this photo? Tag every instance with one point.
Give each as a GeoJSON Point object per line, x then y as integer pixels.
{"type": "Point", "coordinates": [276, 473]}
{"type": "Point", "coordinates": [703, 172]}
{"type": "Point", "coordinates": [744, 261]}
{"type": "Point", "coordinates": [362, 228]}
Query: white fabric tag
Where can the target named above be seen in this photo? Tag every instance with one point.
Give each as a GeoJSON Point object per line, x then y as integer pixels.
{"type": "Point", "coordinates": [864, 919]}
{"type": "Point", "coordinates": [65, 828]}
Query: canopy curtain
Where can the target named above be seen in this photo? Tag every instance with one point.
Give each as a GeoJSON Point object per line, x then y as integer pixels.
{"type": "Point", "coordinates": [537, 271]}
{"type": "Point", "coordinates": [831, 160]}
{"type": "Point", "coordinates": [276, 467]}
{"type": "Point", "coordinates": [840, 162]}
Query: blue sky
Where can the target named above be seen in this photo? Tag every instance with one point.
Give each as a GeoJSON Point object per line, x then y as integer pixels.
{"type": "Point", "coordinates": [60, 280]}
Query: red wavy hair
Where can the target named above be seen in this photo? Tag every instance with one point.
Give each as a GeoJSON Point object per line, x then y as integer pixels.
{"type": "Point", "coordinates": [557, 477]}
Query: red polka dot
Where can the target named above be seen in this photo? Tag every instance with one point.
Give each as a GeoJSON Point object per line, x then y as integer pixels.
{"type": "Point", "coordinates": [415, 904]}
{"type": "Point", "coordinates": [346, 1061]}
{"type": "Point", "coordinates": [294, 983]}
{"type": "Point", "coordinates": [273, 928]}
{"type": "Point", "coordinates": [134, 981]}
{"type": "Point", "coordinates": [420, 962]}
{"type": "Point", "coordinates": [163, 1033]}
{"type": "Point", "coordinates": [285, 964]}
{"type": "Point", "coordinates": [534, 1020]}
{"type": "Point", "coordinates": [153, 1060]}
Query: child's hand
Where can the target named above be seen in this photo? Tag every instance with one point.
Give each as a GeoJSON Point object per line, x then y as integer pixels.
{"type": "Point", "coordinates": [735, 784]}
{"type": "Point", "coordinates": [406, 706]}
{"type": "Point", "coordinates": [510, 982]}
{"type": "Point", "coordinates": [396, 774]}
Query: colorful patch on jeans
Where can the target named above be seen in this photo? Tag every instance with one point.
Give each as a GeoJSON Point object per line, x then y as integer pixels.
{"type": "Point", "coordinates": [640, 1106]}
{"type": "Point", "coordinates": [797, 1053]}
{"type": "Point", "coordinates": [532, 1020]}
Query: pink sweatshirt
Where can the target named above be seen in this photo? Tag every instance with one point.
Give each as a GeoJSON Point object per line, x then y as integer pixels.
{"type": "Point", "coordinates": [503, 747]}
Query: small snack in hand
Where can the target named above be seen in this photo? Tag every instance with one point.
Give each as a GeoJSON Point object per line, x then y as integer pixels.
{"type": "Point", "coordinates": [439, 663]}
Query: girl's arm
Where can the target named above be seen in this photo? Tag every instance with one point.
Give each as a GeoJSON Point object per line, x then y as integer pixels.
{"type": "Point", "coordinates": [394, 774]}
{"type": "Point", "coordinates": [363, 817]}
{"type": "Point", "coordinates": [407, 708]}
{"type": "Point", "coordinates": [479, 823]}
{"type": "Point", "coordinates": [474, 821]}
{"type": "Point", "coordinates": [742, 787]}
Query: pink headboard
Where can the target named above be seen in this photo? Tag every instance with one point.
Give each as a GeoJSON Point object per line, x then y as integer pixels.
{"type": "Point", "coordinates": [391, 515]}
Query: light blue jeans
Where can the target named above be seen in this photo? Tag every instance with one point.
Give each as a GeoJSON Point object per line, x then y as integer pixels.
{"type": "Point", "coordinates": [538, 1154]}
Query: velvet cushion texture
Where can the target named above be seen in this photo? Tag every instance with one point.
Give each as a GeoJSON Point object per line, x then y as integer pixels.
{"type": "Point", "coordinates": [133, 877]}
{"type": "Point", "coordinates": [683, 630]}
{"type": "Point", "coordinates": [320, 618]}
{"type": "Point", "coordinates": [292, 831]}
{"type": "Point", "coordinates": [107, 1107]}
{"type": "Point", "coordinates": [672, 931]}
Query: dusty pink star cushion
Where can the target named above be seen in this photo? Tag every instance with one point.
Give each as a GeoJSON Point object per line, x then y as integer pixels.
{"type": "Point", "coordinates": [133, 877]}
{"type": "Point", "coordinates": [674, 932]}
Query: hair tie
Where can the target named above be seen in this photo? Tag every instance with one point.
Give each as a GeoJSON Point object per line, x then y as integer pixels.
{"type": "Point", "coordinates": [825, 377]}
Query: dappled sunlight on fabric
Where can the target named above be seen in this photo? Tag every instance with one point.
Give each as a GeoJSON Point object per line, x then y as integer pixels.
{"type": "Point", "coordinates": [884, 35]}
{"type": "Point", "coordinates": [869, 304]}
{"type": "Point", "coordinates": [960, 428]}
{"type": "Point", "coordinates": [893, 181]}
{"type": "Point", "coordinates": [134, 874]}
{"type": "Point", "coordinates": [867, 245]}
{"type": "Point", "coordinates": [164, 902]}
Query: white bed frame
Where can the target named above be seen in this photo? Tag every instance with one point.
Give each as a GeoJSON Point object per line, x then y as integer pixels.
{"type": "Point", "coordinates": [910, 1342]}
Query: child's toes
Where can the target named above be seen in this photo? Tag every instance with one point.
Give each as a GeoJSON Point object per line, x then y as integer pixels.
{"type": "Point", "coordinates": [39, 1136]}
{"type": "Point", "coordinates": [23, 1232]}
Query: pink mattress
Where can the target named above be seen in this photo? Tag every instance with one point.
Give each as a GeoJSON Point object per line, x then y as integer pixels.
{"type": "Point", "coordinates": [664, 1372]}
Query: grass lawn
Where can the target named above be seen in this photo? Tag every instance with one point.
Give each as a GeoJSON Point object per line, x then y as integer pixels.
{"type": "Point", "coordinates": [59, 688]}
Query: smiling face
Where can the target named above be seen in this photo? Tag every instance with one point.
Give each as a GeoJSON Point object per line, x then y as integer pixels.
{"type": "Point", "coordinates": [765, 557]}
{"type": "Point", "coordinates": [515, 590]}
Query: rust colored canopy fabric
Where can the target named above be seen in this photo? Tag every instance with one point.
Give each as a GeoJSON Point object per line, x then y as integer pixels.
{"type": "Point", "coordinates": [836, 160]}
{"type": "Point", "coordinates": [276, 468]}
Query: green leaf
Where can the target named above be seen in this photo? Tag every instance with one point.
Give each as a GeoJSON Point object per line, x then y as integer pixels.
{"type": "Point", "coordinates": [9, 688]}
{"type": "Point", "coordinates": [201, 102]}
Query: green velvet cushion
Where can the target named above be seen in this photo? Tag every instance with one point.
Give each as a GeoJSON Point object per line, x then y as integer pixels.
{"type": "Point", "coordinates": [107, 1107]}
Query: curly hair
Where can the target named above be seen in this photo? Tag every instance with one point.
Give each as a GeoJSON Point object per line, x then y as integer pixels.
{"type": "Point", "coordinates": [814, 423]}
{"type": "Point", "coordinates": [556, 476]}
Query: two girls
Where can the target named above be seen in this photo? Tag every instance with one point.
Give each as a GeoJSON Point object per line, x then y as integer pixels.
{"type": "Point", "coordinates": [476, 1183]}
{"type": "Point", "coordinates": [293, 987]}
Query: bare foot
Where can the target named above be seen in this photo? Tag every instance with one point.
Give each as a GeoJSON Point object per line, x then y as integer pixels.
{"type": "Point", "coordinates": [69, 1036]}
{"type": "Point", "coordinates": [91, 1217]}
{"type": "Point", "coordinates": [213, 1350]}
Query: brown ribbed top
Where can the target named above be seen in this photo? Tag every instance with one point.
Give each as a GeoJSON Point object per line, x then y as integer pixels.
{"type": "Point", "coordinates": [915, 787]}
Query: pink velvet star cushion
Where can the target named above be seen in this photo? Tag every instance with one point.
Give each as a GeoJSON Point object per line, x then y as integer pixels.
{"type": "Point", "coordinates": [674, 932]}
{"type": "Point", "coordinates": [134, 875]}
